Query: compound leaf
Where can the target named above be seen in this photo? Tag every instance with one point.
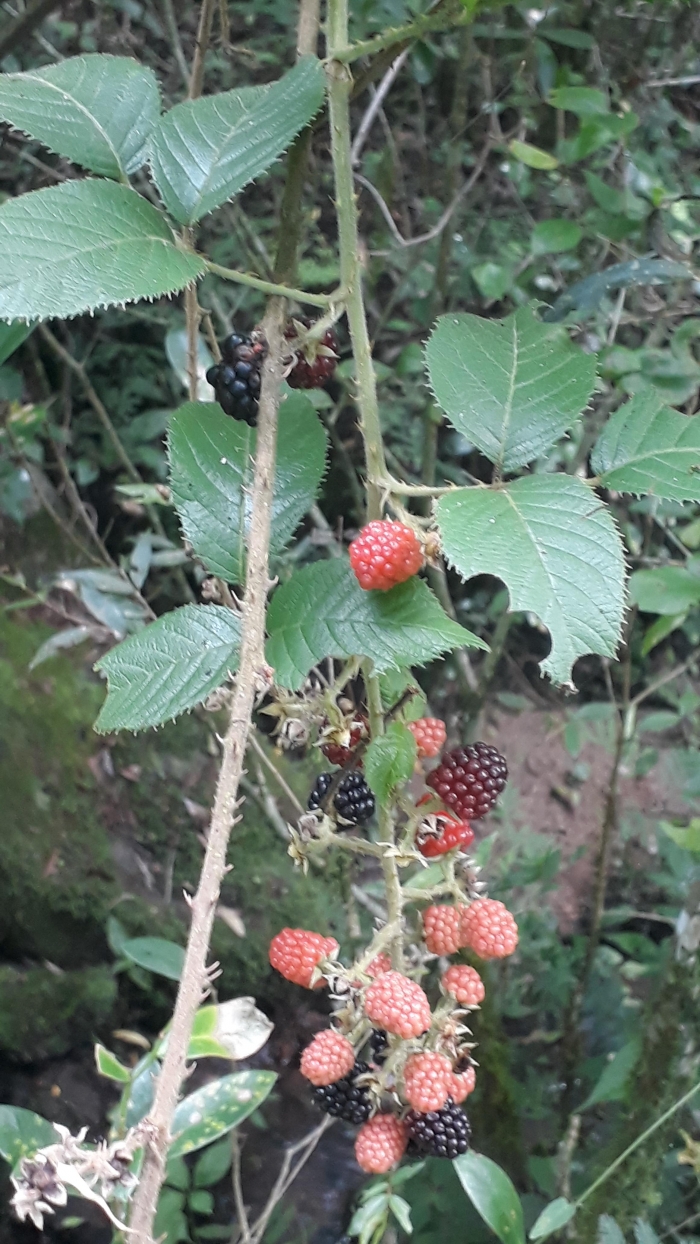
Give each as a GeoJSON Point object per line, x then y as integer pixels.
{"type": "Point", "coordinates": [512, 386]}
{"type": "Point", "coordinates": [322, 611]}
{"type": "Point", "coordinates": [85, 244]}
{"type": "Point", "coordinates": [96, 110]}
{"type": "Point", "coordinates": [168, 667]}
{"type": "Point", "coordinates": [556, 548]}
{"type": "Point", "coordinates": [646, 447]}
{"type": "Point", "coordinates": [205, 150]}
{"type": "Point", "coordinates": [211, 477]}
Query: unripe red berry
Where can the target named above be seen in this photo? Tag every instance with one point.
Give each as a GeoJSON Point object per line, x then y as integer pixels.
{"type": "Point", "coordinates": [384, 554]}
{"type": "Point", "coordinates": [426, 1081]}
{"type": "Point", "coordinates": [489, 929]}
{"type": "Point", "coordinates": [398, 1005]}
{"type": "Point", "coordinates": [462, 1084]}
{"type": "Point", "coordinates": [465, 983]}
{"type": "Point", "coordinates": [296, 952]}
{"type": "Point", "coordinates": [430, 735]}
{"type": "Point", "coordinates": [442, 929]}
{"type": "Point", "coordinates": [380, 1144]}
{"type": "Point", "coordinates": [328, 1058]}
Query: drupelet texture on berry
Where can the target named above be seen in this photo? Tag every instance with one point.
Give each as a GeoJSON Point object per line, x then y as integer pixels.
{"type": "Point", "coordinates": [380, 963]}
{"type": "Point", "coordinates": [384, 554]}
{"type": "Point", "coordinates": [470, 779]}
{"type": "Point", "coordinates": [398, 1005]}
{"type": "Point", "coordinates": [441, 1133]}
{"type": "Point", "coordinates": [328, 1058]}
{"type": "Point", "coordinates": [464, 983]}
{"type": "Point", "coordinates": [430, 735]}
{"type": "Point", "coordinates": [380, 1144]}
{"type": "Point", "coordinates": [353, 801]}
{"type": "Point", "coordinates": [342, 753]}
{"type": "Point", "coordinates": [427, 1079]}
{"type": "Point", "coordinates": [315, 361]}
{"type": "Point", "coordinates": [462, 1084]}
{"type": "Point", "coordinates": [489, 929]}
{"type": "Point", "coordinates": [294, 953]}
{"type": "Point", "coordinates": [236, 379]}
{"type": "Point", "coordinates": [440, 832]}
{"type": "Point", "coordinates": [346, 1099]}
{"type": "Point", "coordinates": [442, 929]}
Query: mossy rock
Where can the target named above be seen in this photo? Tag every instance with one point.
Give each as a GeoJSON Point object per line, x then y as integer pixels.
{"type": "Point", "coordinates": [44, 1015]}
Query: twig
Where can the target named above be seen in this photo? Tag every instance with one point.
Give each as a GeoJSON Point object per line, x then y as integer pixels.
{"type": "Point", "coordinates": [270, 287]}
{"type": "Point", "coordinates": [262, 755]}
{"type": "Point", "coordinates": [175, 42]}
{"type": "Point", "coordinates": [206, 15]}
{"type": "Point", "coordinates": [287, 1175]}
{"type": "Point", "coordinates": [241, 1212]}
{"type": "Point", "coordinates": [410, 31]}
{"type": "Point", "coordinates": [661, 682]}
{"type": "Point", "coordinates": [375, 104]}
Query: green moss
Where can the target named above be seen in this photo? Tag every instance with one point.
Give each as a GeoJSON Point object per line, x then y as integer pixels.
{"type": "Point", "coordinates": [43, 1015]}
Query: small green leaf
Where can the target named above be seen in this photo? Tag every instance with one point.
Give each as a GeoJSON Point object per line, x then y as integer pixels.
{"type": "Point", "coordinates": [534, 157]}
{"type": "Point", "coordinates": [211, 476]}
{"type": "Point", "coordinates": [168, 667]}
{"type": "Point", "coordinates": [688, 838]}
{"type": "Point", "coordinates": [235, 1029]}
{"type": "Point", "coordinates": [585, 101]}
{"type": "Point", "coordinates": [177, 1174]}
{"type": "Point", "coordinates": [201, 1202]}
{"type": "Point", "coordinates": [390, 760]}
{"type": "Point", "coordinates": [85, 244]}
{"type": "Point", "coordinates": [586, 296]}
{"type": "Point", "coordinates": [615, 1076]}
{"type": "Point", "coordinates": [205, 150]}
{"type": "Point", "coordinates": [141, 1095]}
{"type": "Point", "coordinates": [213, 1164]}
{"type": "Point", "coordinates": [556, 548]}
{"type": "Point", "coordinates": [156, 954]}
{"type": "Point", "coordinates": [608, 1231]}
{"type": "Point", "coordinates": [492, 1195]}
{"type": "Point", "coordinates": [551, 236]}
{"type": "Point", "coordinates": [322, 611]}
{"type": "Point", "coordinates": [402, 1213]}
{"type": "Point", "coordinates": [96, 110]}
{"type": "Point", "coordinates": [567, 37]}
{"type": "Point", "coordinates": [22, 1132]}
{"type": "Point", "coordinates": [644, 1233]}
{"type": "Point", "coordinates": [646, 447]}
{"type": "Point", "coordinates": [666, 590]}
{"type": "Point", "coordinates": [170, 1224]}
{"type": "Point", "coordinates": [12, 336]}
{"type": "Point", "coordinates": [511, 387]}
{"type": "Point", "coordinates": [491, 280]}
{"type": "Point", "coordinates": [108, 1065]}
{"type": "Point", "coordinates": [216, 1108]}
{"type": "Point", "coordinates": [393, 685]}
{"type": "Point", "coordinates": [553, 1216]}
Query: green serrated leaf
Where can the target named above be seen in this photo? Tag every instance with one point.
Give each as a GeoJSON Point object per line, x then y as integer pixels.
{"type": "Point", "coordinates": [665, 590]}
{"type": "Point", "coordinates": [492, 1195]}
{"type": "Point", "coordinates": [615, 1075]}
{"type": "Point", "coordinates": [22, 1132]}
{"type": "Point", "coordinates": [390, 760]}
{"type": "Point", "coordinates": [393, 684]}
{"type": "Point", "coordinates": [553, 1217]}
{"type": "Point", "coordinates": [322, 611]}
{"type": "Point", "coordinates": [168, 667]}
{"type": "Point", "coordinates": [96, 110]}
{"type": "Point", "coordinates": [644, 1233]}
{"type": "Point", "coordinates": [85, 244]}
{"type": "Point", "coordinates": [608, 1231]}
{"type": "Point", "coordinates": [556, 548]}
{"type": "Point", "coordinates": [216, 1108]}
{"type": "Point", "coordinates": [646, 447]}
{"type": "Point", "coordinates": [108, 1065]}
{"type": "Point", "coordinates": [156, 954]}
{"type": "Point", "coordinates": [205, 150]}
{"type": "Point", "coordinates": [511, 387]}
{"type": "Point", "coordinates": [211, 476]}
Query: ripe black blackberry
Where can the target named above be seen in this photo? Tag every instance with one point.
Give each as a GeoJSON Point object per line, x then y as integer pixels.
{"type": "Point", "coordinates": [470, 779]}
{"type": "Point", "coordinates": [236, 379]}
{"type": "Point", "coordinates": [346, 1099]}
{"type": "Point", "coordinates": [441, 1133]}
{"type": "Point", "coordinates": [353, 802]}
{"type": "Point", "coordinates": [379, 1045]}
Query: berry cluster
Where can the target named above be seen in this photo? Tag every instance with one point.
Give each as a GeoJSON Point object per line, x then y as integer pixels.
{"type": "Point", "coordinates": [470, 779]}
{"type": "Point", "coordinates": [236, 379]}
{"type": "Point", "coordinates": [353, 800]}
{"type": "Point", "coordinates": [384, 554]}
{"type": "Point", "coordinates": [485, 926]}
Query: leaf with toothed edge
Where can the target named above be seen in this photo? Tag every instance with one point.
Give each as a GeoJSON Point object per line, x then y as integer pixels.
{"type": "Point", "coordinates": [215, 1109]}
{"type": "Point", "coordinates": [96, 110]}
{"type": "Point", "coordinates": [647, 447]}
{"type": "Point", "coordinates": [554, 544]}
{"type": "Point", "coordinates": [205, 150]}
{"type": "Point", "coordinates": [168, 667]}
{"type": "Point", "coordinates": [86, 244]}
{"type": "Point", "coordinates": [323, 612]}
{"type": "Point", "coordinates": [512, 387]}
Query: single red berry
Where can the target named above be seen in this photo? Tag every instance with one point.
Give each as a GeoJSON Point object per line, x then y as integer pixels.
{"type": "Point", "coordinates": [470, 779]}
{"type": "Point", "coordinates": [328, 1058]}
{"type": "Point", "coordinates": [380, 1144]}
{"type": "Point", "coordinates": [296, 952]}
{"type": "Point", "coordinates": [381, 963]}
{"type": "Point", "coordinates": [430, 735]}
{"type": "Point", "coordinates": [427, 1079]}
{"type": "Point", "coordinates": [462, 1084]}
{"type": "Point", "coordinates": [442, 928]}
{"type": "Point", "coordinates": [398, 1005]}
{"type": "Point", "coordinates": [465, 983]}
{"type": "Point", "coordinates": [339, 746]}
{"type": "Point", "coordinates": [384, 554]}
{"type": "Point", "coordinates": [315, 359]}
{"type": "Point", "coordinates": [488, 928]}
{"type": "Point", "coordinates": [443, 831]}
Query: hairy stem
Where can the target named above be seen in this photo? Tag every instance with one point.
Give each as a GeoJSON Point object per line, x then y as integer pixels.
{"type": "Point", "coordinates": [270, 287]}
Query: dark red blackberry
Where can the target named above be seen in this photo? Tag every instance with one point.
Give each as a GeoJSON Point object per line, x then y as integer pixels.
{"type": "Point", "coordinates": [345, 1099]}
{"type": "Point", "coordinates": [441, 1133]}
{"type": "Point", "coordinates": [353, 802]}
{"type": "Point", "coordinates": [470, 779]}
{"type": "Point", "coordinates": [236, 379]}
{"type": "Point", "coordinates": [314, 360]}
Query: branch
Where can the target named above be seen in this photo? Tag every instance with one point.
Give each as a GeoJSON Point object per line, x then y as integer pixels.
{"type": "Point", "coordinates": [269, 287]}
{"type": "Point", "coordinates": [431, 22]}
{"type": "Point", "coordinates": [23, 26]}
